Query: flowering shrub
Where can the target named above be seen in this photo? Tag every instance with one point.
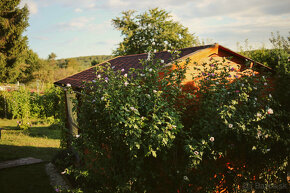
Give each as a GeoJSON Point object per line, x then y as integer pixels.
{"type": "Point", "coordinates": [235, 136]}
{"type": "Point", "coordinates": [139, 132]}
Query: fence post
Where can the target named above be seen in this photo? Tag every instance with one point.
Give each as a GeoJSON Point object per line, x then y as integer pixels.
{"type": "Point", "coordinates": [5, 109]}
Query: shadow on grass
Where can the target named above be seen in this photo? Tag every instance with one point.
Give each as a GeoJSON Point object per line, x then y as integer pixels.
{"type": "Point", "coordinates": [43, 131]}
{"type": "Point", "coordinates": [30, 179]}
{"type": "Point", "coordinates": [10, 128]}
{"type": "Point", "coordinates": [37, 131]}
{"type": "Point", "coordinates": [10, 152]}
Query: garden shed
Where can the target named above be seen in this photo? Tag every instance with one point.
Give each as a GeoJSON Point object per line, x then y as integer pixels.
{"type": "Point", "coordinates": [197, 55]}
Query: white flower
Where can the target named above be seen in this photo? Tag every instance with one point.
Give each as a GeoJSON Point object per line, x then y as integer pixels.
{"type": "Point", "coordinates": [103, 98]}
{"type": "Point", "coordinates": [254, 74]}
{"type": "Point", "coordinates": [94, 81]}
{"type": "Point", "coordinates": [196, 152]}
{"type": "Point", "coordinates": [255, 88]}
{"type": "Point", "coordinates": [122, 70]}
{"type": "Point", "coordinates": [185, 178]}
{"type": "Point", "coordinates": [150, 70]}
{"type": "Point", "coordinates": [242, 84]}
{"type": "Point", "coordinates": [266, 136]}
{"type": "Point", "coordinates": [168, 50]}
{"type": "Point", "coordinates": [154, 91]}
{"type": "Point", "coordinates": [255, 99]}
{"type": "Point", "coordinates": [77, 136]}
{"type": "Point", "coordinates": [148, 57]}
{"type": "Point", "coordinates": [211, 139]}
{"type": "Point", "coordinates": [270, 111]}
{"type": "Point", "coordinates": [177, 171]}
{"type": "Point", "coordinates": [230, 125]}
{"type": "Point", "coordinates": [155, 50]}
{"type": "Point", "coordinates": [265, 84]}
{"type": "Point", "coordinates": [63, 172]}
{"type": "Point", "coordinates": [133, 109]}
{"type": "Point", "coordinates": [268, 150]}
{"type": "Point", "coordinates": [259, 133]}
{"type": "Point", "coordinates": [153, 43]}
{"type": "Point", "coordinates": [125, 75]}
{"type": "Point", "coordinates": [99, 76]}
{"type": "Point", "coordinates": [113, 67]}
{"type": "Point", "coordinates": [139, 86]}
{"type": "Point", "coordinates": [162, 61]}
{"type": "Point", "coordinates": [217, 83]}
{"type": "Point", "coordinates": [270, 96]}
{"type": "Point", "coordinates": [259, 115]}
{"type": "Point", "coordinates": [148, 95]}
{"type": "Point", "coordinates": [142, 74]}
{"type": "Point", "coordinates": [126, 83]}
{"type": "Point", "coordinates": [68, 85]}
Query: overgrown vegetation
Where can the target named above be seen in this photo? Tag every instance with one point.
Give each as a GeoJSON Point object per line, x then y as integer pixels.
{"type": "Point", "coordinates": [139, 133]}
{"type": "Point", "coordinates": [26, 106]}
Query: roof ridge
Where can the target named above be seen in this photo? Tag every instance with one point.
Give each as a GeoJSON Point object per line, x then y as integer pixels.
{"type": "Point", "coordinates": [167, 50]}
{"type": "Point", "coordinates": [88, 68]}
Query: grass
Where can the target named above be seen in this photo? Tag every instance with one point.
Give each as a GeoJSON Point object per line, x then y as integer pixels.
{"type": "Point", "coordinates": [38, 142]}
{"type": "Point", "coordinates": [30, 179]}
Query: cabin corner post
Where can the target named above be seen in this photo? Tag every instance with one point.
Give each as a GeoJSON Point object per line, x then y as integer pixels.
{"type": "Point", "coordinates": [67, 132]}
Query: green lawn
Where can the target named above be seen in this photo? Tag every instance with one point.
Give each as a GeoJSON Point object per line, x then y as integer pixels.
{"type": "Point", "coordinates": [38, 142]}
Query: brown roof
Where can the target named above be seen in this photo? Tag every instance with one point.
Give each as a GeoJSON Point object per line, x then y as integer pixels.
{"type": "Point", "coordinates": [123, 62]}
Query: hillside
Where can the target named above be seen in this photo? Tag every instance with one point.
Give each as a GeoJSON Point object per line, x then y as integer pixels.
{"type": "Point", "coordinates": [83, 61]}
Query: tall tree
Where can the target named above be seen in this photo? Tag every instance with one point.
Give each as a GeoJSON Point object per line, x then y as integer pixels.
{"type": "Point", "coordinates": [154, 29]}
{"type": "Point", "coordinates": [13, 45]}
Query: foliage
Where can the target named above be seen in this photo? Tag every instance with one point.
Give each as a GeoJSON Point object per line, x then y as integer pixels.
{"type": "Point", "coordinates": [13, 45]}
{"type": "Point", "coordinates": [24, 105]}
{"type": "Point", "coordinates": [274, 57]}
{"type": "Point", "coordinates": [151, 30]}
{"type": "Point", "coordinates": [278, 59]}
{"type": "Point", "coordinates": [84, 61]}
{"type": "Point", "coordinates": [140, 133]}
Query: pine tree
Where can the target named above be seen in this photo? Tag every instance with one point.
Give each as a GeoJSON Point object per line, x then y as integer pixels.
{"type": "Point", "coordinates": [13, 45]}
{"type": "Point", "coordinates": [153, 29]}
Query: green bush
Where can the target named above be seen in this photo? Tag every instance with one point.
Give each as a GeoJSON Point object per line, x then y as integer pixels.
{"type": "Point", "coordinates": [141, 133]}
{"type": "Point", "coordinates": [24, 105]}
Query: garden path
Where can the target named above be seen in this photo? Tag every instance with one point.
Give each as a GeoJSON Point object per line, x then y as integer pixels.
{"type": "Point", "coordinates": [19, 162]}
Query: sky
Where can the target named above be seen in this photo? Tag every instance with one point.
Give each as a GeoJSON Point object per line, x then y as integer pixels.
{"type": "Point", "coordinates": [72, 28]}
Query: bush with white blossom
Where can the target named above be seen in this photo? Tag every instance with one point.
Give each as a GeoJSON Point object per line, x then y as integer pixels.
{"type": "Point", "coordinates": [139, 132]}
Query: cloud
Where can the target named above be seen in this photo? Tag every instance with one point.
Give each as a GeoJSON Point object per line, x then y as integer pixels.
{"type": "Point", "coordinates": [32, 6]}
{"type": "Point", "coordinates": [223, 21]}
{"type": "Point", "coordinates": [78, 10]}
{"type": "Point", "coordinates": [41, 38]}
{"type": "Point", "coordinates": [87, 24]}
{"type": "Point", "coordinates": [78, 23]}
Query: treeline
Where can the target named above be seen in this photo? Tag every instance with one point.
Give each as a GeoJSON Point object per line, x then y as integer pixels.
{"type": "Point", "coordinates": [84, 61]}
